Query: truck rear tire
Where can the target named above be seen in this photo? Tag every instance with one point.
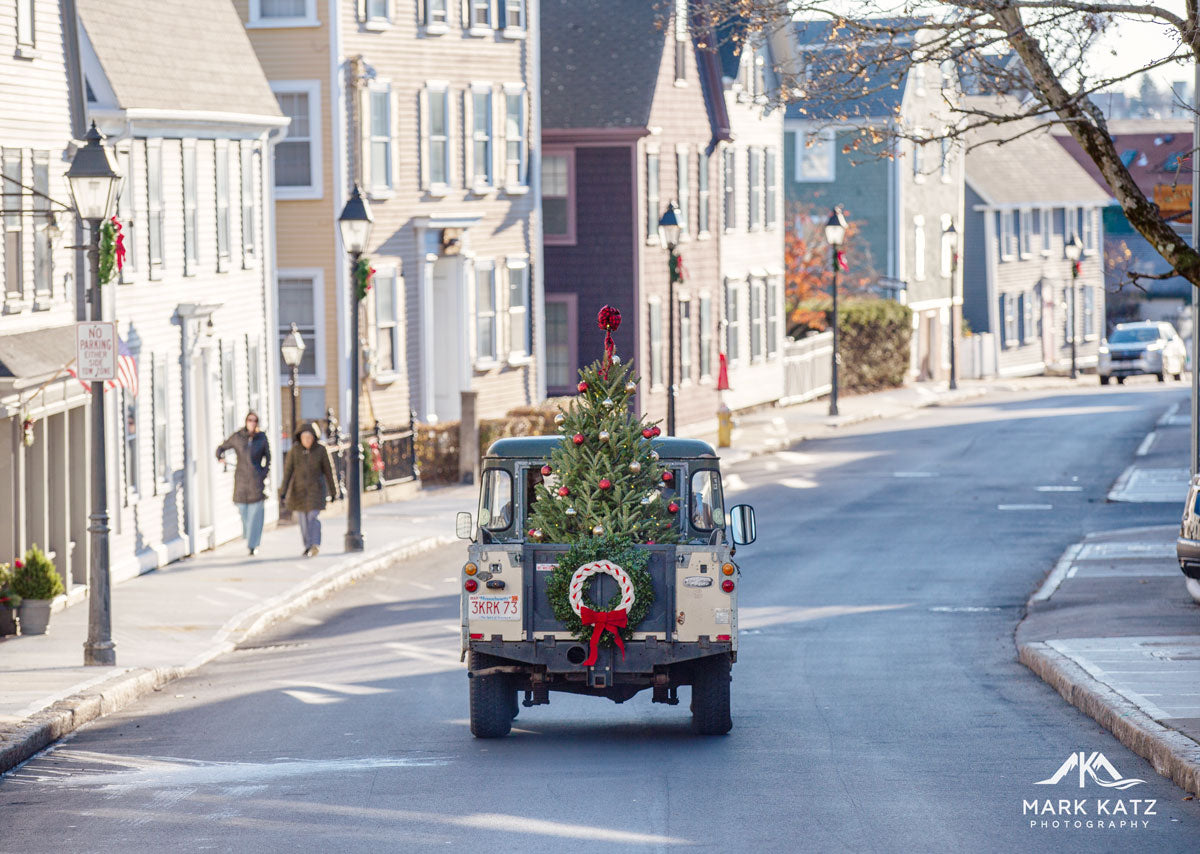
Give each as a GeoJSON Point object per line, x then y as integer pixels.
{"type": "Point", "coordinates": [492, 699]}
{"type": "Point", "coordinates": [710, 696]}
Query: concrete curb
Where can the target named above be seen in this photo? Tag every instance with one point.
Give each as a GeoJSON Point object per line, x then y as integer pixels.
{"type": "Point", "coordinates": [64, 717]}
{"type": "Point", "coordinates": [1172, 753]}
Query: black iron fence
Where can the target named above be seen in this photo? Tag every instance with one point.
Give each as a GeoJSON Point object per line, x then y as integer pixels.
{"type": "Point", "coordinates": [388, 454]}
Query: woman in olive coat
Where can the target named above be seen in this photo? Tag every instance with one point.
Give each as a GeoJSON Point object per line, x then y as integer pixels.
{"type": "Point", "coordinates": [250, 476]}
{"type": "Point", "coordinates": [307, 479]}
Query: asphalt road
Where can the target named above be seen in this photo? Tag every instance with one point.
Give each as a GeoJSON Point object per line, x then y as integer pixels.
{"type": "Point", "coordinates": [878, 705]}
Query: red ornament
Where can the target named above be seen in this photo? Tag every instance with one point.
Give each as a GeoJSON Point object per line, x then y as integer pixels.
{"type": "Point", "coordinates": [673, 507]}
{"type": "Point", "coordinates": [647, 433]}
{"type": "Point", "coordinates": [563, 492]}
{"type": "Point", "coordinates": [582, 387]}
{"type": "Point", "coordinates": [546, 471]}
{"type": "Point", "coordinates": [655, 431]}
{"type": "Point", "coordinates": [605, 483]}
{"type": "Point", "coordinates": [649, 542]}
{"type": "Point", "coordinates": [577, 438]}
{"type": "Point", "coordinates": [668, 477]}
{"type": "Point", "coordinates": [609, 319]}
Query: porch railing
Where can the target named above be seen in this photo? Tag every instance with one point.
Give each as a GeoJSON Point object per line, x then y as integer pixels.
{"type": "Point", "coordinates": [807, 372]}
{"type": "Point", "coordinates": [390, 454]}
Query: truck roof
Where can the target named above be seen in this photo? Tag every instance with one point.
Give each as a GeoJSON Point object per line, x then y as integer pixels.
{"type": "Point", "coordinates": [540, 447]}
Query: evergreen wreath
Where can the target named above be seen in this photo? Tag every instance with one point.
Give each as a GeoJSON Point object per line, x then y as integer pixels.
{"type": "Point", "coordinates": [364, 275]}
{"type": "Point", "coordinates": [618, 549]}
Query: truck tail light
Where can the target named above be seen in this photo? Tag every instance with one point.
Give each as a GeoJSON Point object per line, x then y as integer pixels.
{"type": "Point", "coordinates": [470, 569]}
{"type": "Point", "coordinates": [475, 636]}
{"type": "Point", "coordinates": [471, 585]}
{"type": "Point", "coordinates": [728, 569]}
{"type": "Point", "coordinates": [726, 585]}
{"type": "Point", "coordinates": [719, 637]}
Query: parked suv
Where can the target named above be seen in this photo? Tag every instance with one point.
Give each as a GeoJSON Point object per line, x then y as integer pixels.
{"type": "Point", "coordinates": [1145, 347]}
{"type": "Point", "coordinates": [1187, 547]}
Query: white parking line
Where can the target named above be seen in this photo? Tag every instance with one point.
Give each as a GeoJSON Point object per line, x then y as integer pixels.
{"type": "Point", "coordinates": [1024, 506]}
{"type": "Point", "coordinates": [1058, 489]}
{"type": "Point", "coordinates": [1169, 414]}
{"type": "Point", "coordinates": [1147, 443]}
{"type": "Point", "coordinates": [914, 474]}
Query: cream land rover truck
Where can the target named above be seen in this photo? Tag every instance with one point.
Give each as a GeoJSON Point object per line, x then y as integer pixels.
{"type": "Point", "coordinates": [514, 643]}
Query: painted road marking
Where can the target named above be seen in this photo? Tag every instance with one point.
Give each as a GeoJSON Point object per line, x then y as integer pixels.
{"type": "Point", "coordinates": [1059, 489]}
{"type": "Point", "coordinates": [1169, 416]}
{"type": "Point", "coordinates": [1147, 443]}
{"type": "Point", "coordinates": [914, 474]}
{"type": "Point", "coordinates": [1024, 506]}
{"type": "Point", "coordinates": [961, 609]}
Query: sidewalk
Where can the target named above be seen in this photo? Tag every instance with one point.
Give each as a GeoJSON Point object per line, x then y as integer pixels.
{"type": "Point", "coordinates": [169, 622]}
{"type": "Point", "coordinates": [770, 429]}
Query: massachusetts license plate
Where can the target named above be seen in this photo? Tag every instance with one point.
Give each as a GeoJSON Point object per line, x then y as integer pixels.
{"type": "Point", "coordinates": [485, 607]}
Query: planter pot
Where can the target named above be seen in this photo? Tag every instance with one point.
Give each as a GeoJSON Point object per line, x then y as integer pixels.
{"type": "Point", "coordinates": [8, 621]}
{"type": "Point", "coordinates": [35, 616]}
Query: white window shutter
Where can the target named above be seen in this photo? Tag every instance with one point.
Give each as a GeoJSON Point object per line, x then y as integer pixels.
{"type": "Point", "coordinates": [499, 148]}
{"type": "Point", "coordinates": [364, 136]}
{"type": "Point", "coordinates": [423, 136]}
{"type": "Point", "coordinates": [468, 138]}
{"type": "Point", "coordinates": [361, 9]}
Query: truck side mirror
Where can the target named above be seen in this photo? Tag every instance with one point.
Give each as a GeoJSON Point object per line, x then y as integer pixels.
{"type": "Point", "coordinates": [465, 526]}
{"type": "Point", "coordinates": [741, 524]}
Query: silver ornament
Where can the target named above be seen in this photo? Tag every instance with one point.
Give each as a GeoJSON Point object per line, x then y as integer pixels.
{"type": "Point", "coordinates": [608, 401]}
{"type": "Point", "coordinates": [616, 360]}
{"type": "Point", "coordinates": [603, 437]}
{"type": "Point", "coordinates": [570, 511]}
{"type": "Point", "coordinates": [635, 467]}
{"type": "Point", "coordinates": [654, 455]}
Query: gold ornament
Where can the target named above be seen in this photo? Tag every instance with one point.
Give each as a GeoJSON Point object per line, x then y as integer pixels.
{"type": "Point", "coordinates": [630, 387]}
{"type": "Point", "coordinates": [559, 419]}
{"type": "Point", "coordinates": [635, 467]}
{"type": "Point", "coordinates": [598, 530]}
{"type": "Point", "coordinates": [603, 437]}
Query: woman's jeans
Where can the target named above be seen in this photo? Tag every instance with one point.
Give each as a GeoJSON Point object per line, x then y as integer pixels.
{"type": "Point", "coordinates": [310, 527]}
{"type": "Point", "coordinates": [252, 522]}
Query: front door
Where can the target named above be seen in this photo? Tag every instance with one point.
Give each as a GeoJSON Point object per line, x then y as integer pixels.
{"type": "Point", "coordinates": [448, 350]}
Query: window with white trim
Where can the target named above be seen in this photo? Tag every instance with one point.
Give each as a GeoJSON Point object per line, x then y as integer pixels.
{"type": "Point", "coordinates": [154, 204]}
{"type": "Point", "coordinates": [486, 346]}
{"type": "Point", "coordinates": [757, 319]}
{"type": "Point", "coordinates": [683, 182]}
{"type": "Point", "coordinates": [652, 212]}
{"type": "Point", "coordinates": [518, 309]}
{"type": "Point", "coordinates": [947, 154]}
{"type": "Point", "coordinates": [380, 139]}
{"type": "Point", "coordinates": [249, 218]}
{"type": "Point", "coordinates": [815, 155]}
{"type": "Point", "coordinates": [437, 15]}
{"type": "Point", "coordinates": [514, 137]}
{"type": "Point", "coordinates": [481, 136]}
{"type": "Point", "coordinates": [681, 40]}
{"type": "Point", "coordinates": [1071, 226]}
{"type": "Point", "coordinates": [918, 153]}
{"type": "Point", "coordinates": [221, 160]}
{"type": "Point", "coordinates": [772, 316]}
{"type": "Point", "coordinates": [919, 248]}
{"type": "Point", "coordinates": [387, 325]}
{"type": "Point", "coordinates": [558, 208]}
{"type": "Point", "coordinates": [377, 11]}
{"type": "Point", "coordinates": [770, 196]}
{"type": "Point", "coordinates": [298, 155]}
{"type": "Point", "coordinates": [1089, 310]}
{"type": "Point", "coordinates": [512, 14]}
{"type": "Point", "coordinates": [254, 377]}
{"type": "Point", "coordinates": [43, 262]}
{"type": "Point", "coordinates": [129, 434]}
{"type": "Point", "coordinates": [1008, 237]}
{"type": "Point", "coordinates": [283, 12]}
{"type": "Point", "coordinates": [560, 367]}
{"type": "Point", "coordinates": [1047, 228]}
{"type": "Point", "coordinates": [480, 14]}
{"type": "Point", "coordinates": [704, 318]}
{"type": "Point", "coordinates": [229, 420]}
{"type": "Point", "coordinates": [160, 381]}
{"type": "Point", "coordinates": [946, 256]}
{"type": "Point", "coordinates": [702, 193]}
{"type": "Point", "coordinates": [730, 185]}
{"type": "Point", "coordinates": [437, 137]}
{"type": "Point", "coordinates": [298, 296]}
{"type": "Point", "coordinates": [191, 218]}
{"type": "Point", "coordinates": [733, 322]}
{"type": "Point", "coordinates": [685, 339]}
{"type": "Point", "coordinates": [1008, 314]}
{"type": "Point", "coordinates": [10, 200]}
{"type": "Point", "coordinates": [1027, 324]}
{"type": "Point", "coordinates": [1087, 217]}
{"type": "Point", "coordinates": [755, 183]}
{"type": "Point", "coordinates": [656, 344]}
{"type": "Point", "coordinates": [1025, 227]}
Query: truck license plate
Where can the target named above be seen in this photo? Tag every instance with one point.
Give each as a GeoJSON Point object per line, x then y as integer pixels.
{"type": "Point", "coordinates": [485, 607]}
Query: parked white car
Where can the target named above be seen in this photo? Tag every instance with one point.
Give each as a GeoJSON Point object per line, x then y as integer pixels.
{"type": "Point", "coordinates": [1145, 347]}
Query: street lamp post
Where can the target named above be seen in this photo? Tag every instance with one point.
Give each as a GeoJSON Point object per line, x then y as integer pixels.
{"type": "Point", "coordinates": [669, 229]}
{"type": "Point", "coordinates": [94, 181]}
{"type": "Point", "coordinates": [1074, 250]}
{"type": "Point", "coordinates": [354, 223]}
{"type": "Point", "coordinates": [292, 350]}
{"type": "Point", "coordinates": [835, 235]}
{"type": "Point", "coordinates": [951, 236]}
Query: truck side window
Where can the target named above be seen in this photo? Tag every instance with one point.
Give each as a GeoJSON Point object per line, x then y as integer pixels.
{"type": "Point", "coordinates": [496, 500]}
{"type": "Point", "coordinates": [706, 507]}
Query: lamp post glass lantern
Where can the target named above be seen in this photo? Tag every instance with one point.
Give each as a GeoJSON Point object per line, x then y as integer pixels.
{"type": "Point", "coordinates": [94, 182]}
{"type": "Point", "coordinates": [950, 235]}
{"type": "Point", "coordinates": [354, 224]}
{"type": "Point", "coordinates": [670, 227]}
{"type": "Point", "coordinates": [292, 350]}
{"type": "Point", "coordinates": [835, 236]}
{"type": "Point", "coordinates": [1074, 251]}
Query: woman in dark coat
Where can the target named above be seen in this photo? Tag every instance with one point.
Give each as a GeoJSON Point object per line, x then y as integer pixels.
{"type": "Point", "coordinates": [307, 479]}
{"type": "Point", "coordinates": [250, 476]}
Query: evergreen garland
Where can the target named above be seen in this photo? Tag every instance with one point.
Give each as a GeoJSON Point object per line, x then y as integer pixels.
{"type": "Point", "coordinates": [364, 273]}
{"type": "Point", "coordinates": [108, 251]}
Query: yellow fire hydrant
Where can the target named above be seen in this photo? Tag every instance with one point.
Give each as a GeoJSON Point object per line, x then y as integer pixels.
{"type": "Point", "coordinates": [724, 426]}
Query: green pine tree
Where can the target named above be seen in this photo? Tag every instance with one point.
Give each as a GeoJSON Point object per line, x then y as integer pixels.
{"type": "Point", "coordinates": [604, 478]}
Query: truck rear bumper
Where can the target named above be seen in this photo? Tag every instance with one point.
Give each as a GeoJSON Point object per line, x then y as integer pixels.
{"type": "Point", "coordinates": [566, 657]}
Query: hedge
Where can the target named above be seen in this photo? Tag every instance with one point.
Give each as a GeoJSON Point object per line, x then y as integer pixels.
{"type": "Point", "coordinates": [874, 341]}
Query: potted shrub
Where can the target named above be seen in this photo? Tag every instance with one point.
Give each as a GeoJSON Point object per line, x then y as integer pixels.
{"type": "Point", "coordinates": [37, 582]}
{"type": "Point", "coordinates": [8, 602]}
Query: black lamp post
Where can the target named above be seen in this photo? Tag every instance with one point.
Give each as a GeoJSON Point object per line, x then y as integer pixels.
{"type": "Point", "coordinates": [835, 235]}
{"type": "Point", "coordinates": [669, 229]}
{"type": "Point", "coordinates": [1073, 250]}
{"type": "Point", "coordinates": [355, 226]}
{"type": "Point", "coordinates": [292, 350]}
{"type": "Point", "coordinates": [950, 235]}
{"type": "Point", "coordinates": [94, 182]}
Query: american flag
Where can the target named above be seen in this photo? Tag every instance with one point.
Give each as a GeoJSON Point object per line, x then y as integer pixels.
{"type": "Point", "coordinates": [127, 372]}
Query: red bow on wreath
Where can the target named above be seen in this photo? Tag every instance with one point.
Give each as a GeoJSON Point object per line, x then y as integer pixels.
{"type": "Point", "coordinates": [603, 621]}
{"type": "Point", "coordinates": [119, 243]}
{"type": "Point", "coordinates": [841, 259]}
{"type": "Point", "coordinates": [609, 320]}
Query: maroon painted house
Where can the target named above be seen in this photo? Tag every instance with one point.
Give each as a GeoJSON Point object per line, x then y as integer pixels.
{"type": "Point", "coordinates": [632, 114]}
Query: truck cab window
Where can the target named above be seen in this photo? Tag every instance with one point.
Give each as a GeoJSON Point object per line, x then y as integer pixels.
{"type": "Point", "coordinates": [706, 507]}
{"type": "Point", "coordinates": [496, 500]}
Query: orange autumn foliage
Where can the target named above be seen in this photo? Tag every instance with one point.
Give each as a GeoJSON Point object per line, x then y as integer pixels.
{"type": "Point", "coordinates": [807, 259]}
